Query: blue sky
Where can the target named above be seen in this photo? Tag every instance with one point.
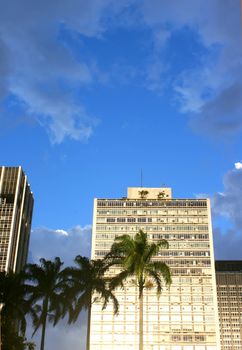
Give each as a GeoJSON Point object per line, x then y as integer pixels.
{"type": "Point", "coordinates": [91, 92]}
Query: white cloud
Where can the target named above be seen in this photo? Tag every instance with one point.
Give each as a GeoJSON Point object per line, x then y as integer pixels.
{"type": "Point", "coordinates": [62, 232]}
{"type": "Point", "coordinates": [48, 243]}
{"type": "Point", "coordinates": [238, 165]}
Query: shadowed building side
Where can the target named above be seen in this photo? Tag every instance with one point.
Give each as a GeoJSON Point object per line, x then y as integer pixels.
{"type": "Point", "coordinates": [229, 291]}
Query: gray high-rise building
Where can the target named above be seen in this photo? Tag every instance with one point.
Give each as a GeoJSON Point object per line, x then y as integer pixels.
{"type": "Point", "coordinates": [16, 206]}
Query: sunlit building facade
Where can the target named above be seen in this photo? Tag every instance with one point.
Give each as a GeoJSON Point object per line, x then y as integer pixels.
{"type": "Point", "coordinates": [185, 316]}
{"type": "Point", "coordinates": [16, 206]}
{"type": "Point", "coordinates": [229, 291]}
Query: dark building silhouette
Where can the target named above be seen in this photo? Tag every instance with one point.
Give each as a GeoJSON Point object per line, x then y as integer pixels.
{"type": "Point", "coordinates": [229, 292]}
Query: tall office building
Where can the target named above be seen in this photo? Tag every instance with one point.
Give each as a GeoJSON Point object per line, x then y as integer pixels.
{"type": "Point", "coordinates": [229, 291]}
{"type": "Point", "coordinates": [16, 205]}
{"type": "Point", "coordinates": [185, 316]}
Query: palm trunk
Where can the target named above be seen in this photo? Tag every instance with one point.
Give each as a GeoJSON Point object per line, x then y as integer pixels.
{"type": "Point", "coordinates": [88, 325]}
{"type": "Point", "coordinates": [141, 319]}
{"type": "Point", "coordinates": [45, 312]}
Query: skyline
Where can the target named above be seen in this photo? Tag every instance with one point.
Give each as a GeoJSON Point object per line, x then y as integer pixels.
{"type": "Point", "coordinates": [222, 206]}
{"type": "Point", "coordinates": [91, 93]}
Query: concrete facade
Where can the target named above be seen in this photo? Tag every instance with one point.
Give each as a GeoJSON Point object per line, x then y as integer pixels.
{"type": "Point", "coordinates": [185, 316]}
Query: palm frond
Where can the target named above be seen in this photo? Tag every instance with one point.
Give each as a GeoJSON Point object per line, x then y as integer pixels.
{"type": "Point", "coordinates": [161, 268]}
{"type": "Point", "coordinates": [118, 280]}
{"type": "Point", "coordinates": [135, 257]}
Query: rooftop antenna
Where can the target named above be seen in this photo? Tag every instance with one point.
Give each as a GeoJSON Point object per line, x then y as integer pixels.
{"type": "Point", "coordinates": [141, 178]}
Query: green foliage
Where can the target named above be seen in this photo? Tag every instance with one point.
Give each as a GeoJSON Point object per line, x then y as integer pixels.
{"type": "Point", "coordinates": [15, 306]}
{"type": "Point", "coordinates": [135, 255]}
{"type": "Point", "coordinates": [143, 194]}
{"type": "Point", "coordinates": [13, 297]}
{"type": "Point", "coordinates": [87, 283]}
{"type": "Point", "coordinates": [86, 280]}
{"type": "Point", "coordinates": [136, 259]}
{"type": "Point", "coordinates": [162, 195]}
{"type": "Point", "coordinates": [29, 345]}
{"type": "Point", "coordinates": [47, 293]}
{"type": "Point", "coordinates": [11, 340]}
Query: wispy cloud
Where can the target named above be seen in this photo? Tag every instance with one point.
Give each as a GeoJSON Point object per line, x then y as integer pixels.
{"type": "Point", "coordinates": [228, 204]}
{"type": "Point", "coordinates": [40, 71]}
{"type": "Point", "coordinates": [211, 91]}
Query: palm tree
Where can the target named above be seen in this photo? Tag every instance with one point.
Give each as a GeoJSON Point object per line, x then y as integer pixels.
{"type": "Point", "coordinates": [89, 284]}
{"type": "Point", "coordinates": [48, 283]}
{"type": "Point", "coordinates": [14, 307]}
{"type": "Point", "coordinates": [135, 256]}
